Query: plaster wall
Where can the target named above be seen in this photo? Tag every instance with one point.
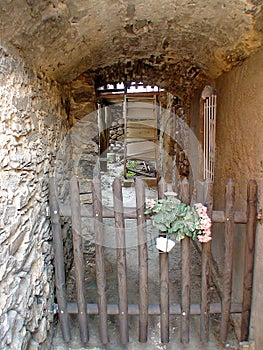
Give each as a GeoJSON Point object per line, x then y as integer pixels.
{"type": "Point", "coordinates": [239, 144]}
{"type": "Point", "coordinates": [32, 125]}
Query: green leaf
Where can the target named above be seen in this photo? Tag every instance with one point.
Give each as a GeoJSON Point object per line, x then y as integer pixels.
{"type": "Point", "coordinates": [177, 225]}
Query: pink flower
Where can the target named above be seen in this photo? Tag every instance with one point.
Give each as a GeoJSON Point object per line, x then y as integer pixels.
{"type": "Point", "coordinates": [200, 209]}
{"type": "Point", "coordinates": [205, 223]}
{"type": "Point", "coordinates": [150, 203]}
{"type": "Point", "coordinates": [204, 238]}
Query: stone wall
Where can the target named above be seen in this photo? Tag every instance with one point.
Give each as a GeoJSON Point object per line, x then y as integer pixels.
{"type": "Point", "coordinates": [33, 122]}
{"type": "Point", "coordinates": [239, 144]}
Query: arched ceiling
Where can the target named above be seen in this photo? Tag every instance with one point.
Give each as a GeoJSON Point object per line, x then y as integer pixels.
{"type": "Point", "coordinates": [69, 37]}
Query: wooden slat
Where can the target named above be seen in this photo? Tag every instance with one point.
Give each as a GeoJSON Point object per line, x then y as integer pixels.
{"type": "Point", "coordinates": [206, 256]}
{"type": "Point", "coordinates": [164, 280]}
{"type": "Point", "coordinates": [154, 309]}
{"type": "Point", "coordinates": [149, 156]}
{"type": "Point", "coordinates": [121, 260]}
{"type": "Point", "coordinates": [143, 124]}
{"type": "Point", "coordinates": [249, 257]}
{"type": "Point", "coordinates": [60, 280]}
{"type": "Point", "coordinates": [143, 261]}
{"type": "Point", "coordinates": [143, 150]}
{"type": "Point", "coordinates": [142, 133]}
{"type": "Point", "coordinates": [240, 217]}
{"type": "Point", "coordinates": [185, 274]}
{"type": "Point", "coordinates": [130, 213]}
{"type": "Point", "coordinates": [227, 278]}
{"type": "Point", "coordinates": [140, 115]}
{"type": "Point", "coordinates": [137, 140]}
{"type": "Point", "coordinates": [107, 212]}
{"type": "Point", "coordinates": [100, 264]}
{"type": "Point", "coordinates": [78, 259]}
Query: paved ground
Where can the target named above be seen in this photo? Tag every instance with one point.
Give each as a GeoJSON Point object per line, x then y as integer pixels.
{"type": "Point", "coordinates": [153, 342]}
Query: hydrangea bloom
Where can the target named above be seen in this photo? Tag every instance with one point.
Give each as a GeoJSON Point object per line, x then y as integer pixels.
{"type": "Point", "coordinates": [150, 203]}
{"type": "Point", "coordinates": [205, 223]}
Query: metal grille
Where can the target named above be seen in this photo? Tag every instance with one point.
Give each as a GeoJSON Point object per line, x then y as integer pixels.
{"type": "Point", "coordinates": [209, 136]}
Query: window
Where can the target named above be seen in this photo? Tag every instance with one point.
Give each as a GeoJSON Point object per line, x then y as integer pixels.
{"type": "Point", "coordinates": [209, 112]}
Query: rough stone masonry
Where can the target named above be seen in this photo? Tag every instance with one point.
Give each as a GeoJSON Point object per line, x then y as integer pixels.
{"type": "Point", "coordinates": [33, 122]}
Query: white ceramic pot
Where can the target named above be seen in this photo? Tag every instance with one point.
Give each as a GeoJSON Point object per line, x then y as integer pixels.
{"type": "Point", "coordinates": [164, 244]}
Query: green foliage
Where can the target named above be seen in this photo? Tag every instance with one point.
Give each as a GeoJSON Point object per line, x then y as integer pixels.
{"type": "Point", "coordinates": [175, 218]}
{"type": "Point", "coordinates": [132, 164]}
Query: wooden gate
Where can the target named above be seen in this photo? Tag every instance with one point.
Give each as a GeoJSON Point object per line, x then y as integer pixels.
{"type": "Point", "coordinates": [229, 217]}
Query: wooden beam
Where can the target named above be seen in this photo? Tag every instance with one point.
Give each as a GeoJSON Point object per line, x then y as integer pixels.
{"type": "Point", "coordinates": [121, 261]}
{"type": "Point", "coordinates": [78, 259]}
{"type": "Point", "coordinates": [143, 261]}
{"type": "Point", "coordinates": [206, 261]}
{"type": "Point", "coordinates": [164, 280]}
{"type": "Point", "coordinates": [153, 309]}
{"type": "Point", "coordinates": [184, 193]}
{"type": "Point", "coordinates": [60, 280]}
{"type": "Point", "coordinates": [252, 194]}
{"type": "Point", "coordinates": [227, 276]}
{"type": "Point", "coordinates": [100, 264]}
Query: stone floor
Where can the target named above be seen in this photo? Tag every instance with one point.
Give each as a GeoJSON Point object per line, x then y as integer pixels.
{"type": "Point", "coordinates": [153, 338]}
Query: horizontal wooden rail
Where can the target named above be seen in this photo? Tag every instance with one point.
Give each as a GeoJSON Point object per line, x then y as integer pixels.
{"type": "Point", "coordinates": [153, 309]}
{"type": "Point", "coordinates": [107, 212]}
{"type": "Point", "coordinates": [240, 217]}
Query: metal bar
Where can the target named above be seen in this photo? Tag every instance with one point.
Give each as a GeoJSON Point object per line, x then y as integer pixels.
{"type": "Point", "coordinates": [121, 260]}
{"type": "Point", "coordinates": [78, 259]}
{"type": "Point", "coordinates": [143, 261]}
{"type": "Point", "coordinates": [227, 277]}
{"type": "Point", "coordinates": [100, 264]}
{"type": "Point", "coordinates": [252, 195]}
{"type": "Point", "coordinates": [59, 261]}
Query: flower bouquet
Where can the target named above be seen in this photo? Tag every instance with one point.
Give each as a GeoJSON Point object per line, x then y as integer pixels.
{"type": "Point", "coordinates": [177, 220]}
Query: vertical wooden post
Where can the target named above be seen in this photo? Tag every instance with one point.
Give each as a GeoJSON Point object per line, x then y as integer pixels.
{"type": "Point", "coordinates": [186, 263]}
{"type": "Point", "coordinates": [78, 259]}
{"type": "Point", "coordinates": [164, 280]}
{"type": "Point", "coordinates": [100, 264]}
{"type": "Point", "coordinates": [249, 257]}
{"type": "Point", "coordinates": [121, 260]}
{"type": "Point", "coordinates": [227, 280]}
{"type": "Point", "coordinates": [59, 261]}
{"type": "Point", "coordinates": [143, 261]}
{"type": "Point", "coordinates": [206, 255]}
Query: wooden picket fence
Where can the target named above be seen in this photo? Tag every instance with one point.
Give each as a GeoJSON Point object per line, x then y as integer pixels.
{"type": "Point", "coordinates": [229, 217]}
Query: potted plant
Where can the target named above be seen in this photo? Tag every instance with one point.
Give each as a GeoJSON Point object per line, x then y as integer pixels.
{"type": "Point", "coordinates": [175, 220]}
